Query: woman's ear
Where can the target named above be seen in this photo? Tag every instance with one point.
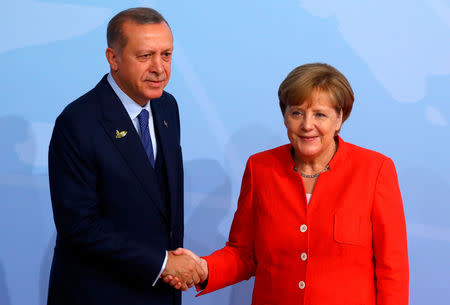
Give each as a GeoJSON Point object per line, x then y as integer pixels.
{"type": "Point", "coordinates": [339, 121]}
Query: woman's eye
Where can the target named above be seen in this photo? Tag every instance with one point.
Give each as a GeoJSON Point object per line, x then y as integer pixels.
{"type": "Point", "coordinates": [320, 114]}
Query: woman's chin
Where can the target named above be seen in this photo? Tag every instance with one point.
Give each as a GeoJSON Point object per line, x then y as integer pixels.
{"type": "Point", "coordinates": [307, 153]}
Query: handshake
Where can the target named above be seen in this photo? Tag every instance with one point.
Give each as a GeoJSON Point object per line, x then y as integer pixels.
{"type": "Point", "coordinates": [184, 269]}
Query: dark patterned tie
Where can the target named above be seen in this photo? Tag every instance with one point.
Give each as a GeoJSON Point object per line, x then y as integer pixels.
{"type": "Point", "coordinates": [145, 136]}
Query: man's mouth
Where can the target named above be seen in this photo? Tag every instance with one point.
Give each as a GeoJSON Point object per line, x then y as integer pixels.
{"type": "Point", "coordinates": [154, 83]}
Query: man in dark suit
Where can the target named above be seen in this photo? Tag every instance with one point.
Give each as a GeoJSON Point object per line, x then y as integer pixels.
{"type": "Point", "coordinates": [116, 177]}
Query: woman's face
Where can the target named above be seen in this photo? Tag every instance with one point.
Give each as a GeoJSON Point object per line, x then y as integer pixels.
{"type": "Point", "coordinates": [311, 129]}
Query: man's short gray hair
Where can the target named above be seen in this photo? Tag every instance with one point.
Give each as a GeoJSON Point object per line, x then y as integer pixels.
{"type": "Point", "coordinates": [140, 15]}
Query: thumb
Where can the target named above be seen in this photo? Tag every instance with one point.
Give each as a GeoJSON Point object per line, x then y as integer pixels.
{"type": "Point", "coordinates": [178, 251]}
{"type": "Point", "coordinates": [192, 254]}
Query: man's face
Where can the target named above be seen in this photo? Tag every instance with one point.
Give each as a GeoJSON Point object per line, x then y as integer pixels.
{"type": "Point", "coordinates": [142, 70]}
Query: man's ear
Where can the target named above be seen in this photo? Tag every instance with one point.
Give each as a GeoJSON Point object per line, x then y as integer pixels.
{"type": "Point", "coordinates": [113, 59]}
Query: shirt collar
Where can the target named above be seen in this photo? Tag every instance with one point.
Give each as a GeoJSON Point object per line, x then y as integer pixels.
{"type": "Point", "coordinates": [133, 109]}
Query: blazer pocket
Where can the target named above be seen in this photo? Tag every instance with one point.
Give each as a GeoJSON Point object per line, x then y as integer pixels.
{"type": "Point", "coordinates": [347, 228]}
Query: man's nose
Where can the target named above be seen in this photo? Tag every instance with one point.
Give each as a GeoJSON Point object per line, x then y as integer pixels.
{"type": "Point", "coordinates": [157, 65]}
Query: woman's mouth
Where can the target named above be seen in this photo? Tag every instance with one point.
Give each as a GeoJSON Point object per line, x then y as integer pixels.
{"type": "Point", "coordinates": [308, 138]}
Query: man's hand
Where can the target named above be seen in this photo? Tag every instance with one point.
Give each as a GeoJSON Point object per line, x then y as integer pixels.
{"type": "Point", "coordinates": [184, 268]}
{"type": "Point", "coordinates": [176, 281]}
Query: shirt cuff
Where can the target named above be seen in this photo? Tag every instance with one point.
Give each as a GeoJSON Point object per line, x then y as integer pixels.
{"type": "Point", "coordinates": [162, 269]}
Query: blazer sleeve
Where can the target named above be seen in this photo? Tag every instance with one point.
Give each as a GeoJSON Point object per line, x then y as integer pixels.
{"type": "Point", "coordinates": [236, 261]}
{"type": "Point", "coordinates": [81, 226]}
{"type": "Point", "coordinates": [389, 239]}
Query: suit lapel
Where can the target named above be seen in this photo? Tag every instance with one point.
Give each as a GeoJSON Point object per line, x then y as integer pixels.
{"type": "Point", "coordinates": [116, 119]}
{"type": "Point", "coordinates": [167, 140]}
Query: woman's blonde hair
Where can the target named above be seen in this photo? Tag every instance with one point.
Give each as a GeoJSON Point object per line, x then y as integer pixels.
{"type": "Point", "coordinates": [300, 83]}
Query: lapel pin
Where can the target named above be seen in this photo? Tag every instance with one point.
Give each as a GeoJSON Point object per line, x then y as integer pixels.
{"type": "Point", "coordinates": [120, 134]}
{"type": "Point", "coordinates": [165, 123]}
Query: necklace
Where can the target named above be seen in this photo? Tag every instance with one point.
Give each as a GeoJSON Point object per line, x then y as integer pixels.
{"type": "Point", "coordinates": [314, 175]}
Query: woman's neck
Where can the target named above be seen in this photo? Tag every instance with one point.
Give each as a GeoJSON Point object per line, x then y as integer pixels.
{"type": "Point", "coordinates": [313, 165]}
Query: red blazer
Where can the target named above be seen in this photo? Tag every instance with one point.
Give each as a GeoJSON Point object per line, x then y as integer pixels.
{"type": "Point", "coordinates": [347, 247]}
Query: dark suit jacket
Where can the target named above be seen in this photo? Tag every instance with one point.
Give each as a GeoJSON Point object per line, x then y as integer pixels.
{"type": "Point", "coordinates": [113, 226]}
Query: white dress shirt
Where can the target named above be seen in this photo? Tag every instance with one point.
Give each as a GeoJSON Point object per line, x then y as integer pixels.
{"type": "Point", "coordinates": [134, 109]}
{"type": "Point", "coordinates": [308, 198]}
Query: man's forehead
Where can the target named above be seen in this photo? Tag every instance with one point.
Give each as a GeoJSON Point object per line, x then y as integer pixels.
{"type": "Point", "coordinates": [131, 25]}
{"type": "Point", "coordinates": [148, 36]}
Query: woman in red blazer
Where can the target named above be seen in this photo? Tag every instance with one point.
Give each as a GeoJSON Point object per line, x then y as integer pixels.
{"type": "Point", "coordinates": [319, 221]}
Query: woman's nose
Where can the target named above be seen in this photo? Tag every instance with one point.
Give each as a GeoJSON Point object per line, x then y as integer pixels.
{"type": "Point", "coordinates": [307, 123]}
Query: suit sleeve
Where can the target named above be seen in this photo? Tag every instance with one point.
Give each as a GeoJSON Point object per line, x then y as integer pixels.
{"type": "Point", "coordinates": [389, 239]}
{"type": "Point", "coordinates": [82, 227]}
{"type": "Point", "coordinates": [236, 261]}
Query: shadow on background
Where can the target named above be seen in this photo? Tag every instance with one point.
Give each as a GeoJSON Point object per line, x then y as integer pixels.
{"type": "Point", "coordinates": [252, 139]}
{"type": "Point", "coordinates": [14, 130]}
{"type": "Point", "coordinates": [44, 273]}
{"type": "Point", "coordinates": [207, 202]}
{"type": "Point", "coordinates": [427, 209]}
{"type": "Point", "coordinates": [4, 295]}
{"type": "Point", "coordinates": [21, 217]}
{"type": "Point", "coordinates": [209, 207]}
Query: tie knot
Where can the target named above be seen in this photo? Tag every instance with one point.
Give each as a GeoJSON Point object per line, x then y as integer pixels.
{"type": "Point", "coordinates": [143, 116]}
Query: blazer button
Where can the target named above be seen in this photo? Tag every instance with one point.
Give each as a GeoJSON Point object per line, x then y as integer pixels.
{"type": "Point", "coordinates": [303, 228]}
{"type": "Point", "coordinates": [301, 285]}
{"type": "Point", "coordinates": [171, 235]}
{"type": "Point", "coordinates": [303, 256]}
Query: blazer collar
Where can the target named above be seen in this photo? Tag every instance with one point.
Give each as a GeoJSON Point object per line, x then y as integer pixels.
{"type": "Point", "coordinates": [116, 119]}
{"type": "Point", "coordinates": [339, 155]}
{"type": "Point", "coordinates": [163, 122]}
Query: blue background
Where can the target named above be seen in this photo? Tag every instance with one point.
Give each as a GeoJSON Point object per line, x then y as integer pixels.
{"type": "Point", "coordinates": [229, 59]}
